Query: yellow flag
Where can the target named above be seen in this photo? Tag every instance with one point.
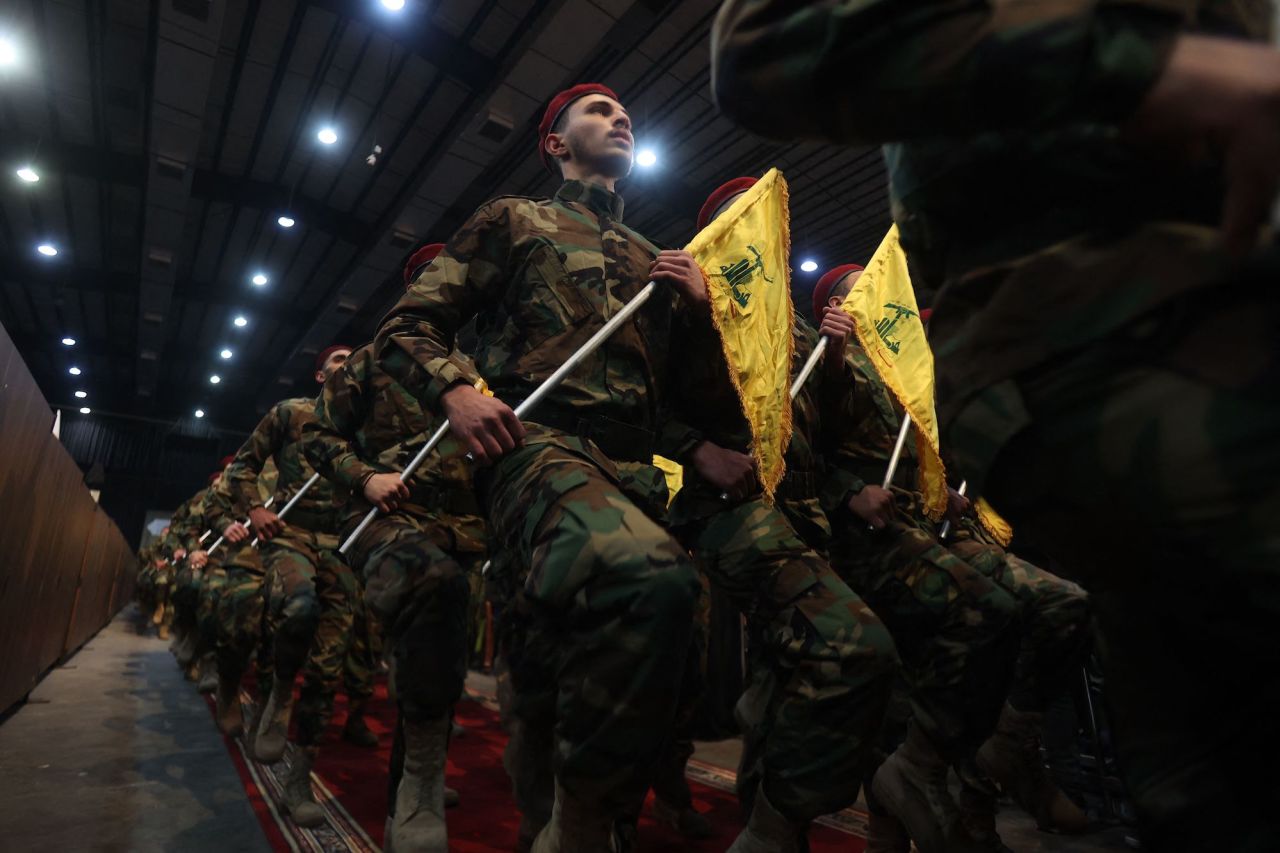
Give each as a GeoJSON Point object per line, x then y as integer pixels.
{"type": "Point", "coordinates": [744, 255]}
{"type": "Point", "coordinates": [883, 306]}
{"type": "Point", "coordinates": [674, 473]}
{"type": "Point", "coordinates": [993, 523]}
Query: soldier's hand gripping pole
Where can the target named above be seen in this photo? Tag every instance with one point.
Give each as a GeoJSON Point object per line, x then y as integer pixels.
{"type": "Point", "coordinates": [218, 541]}
{"type": "Point", "coordinates": [293, 500]}
{"type": "Point", "coordinates": [946, 525]}
{"type": "Point", "coordinates": [548, 385]}
{"type": "Point", "coordinates": [897, 454]}
{"type": "Point", "coordinates": [801, 378]}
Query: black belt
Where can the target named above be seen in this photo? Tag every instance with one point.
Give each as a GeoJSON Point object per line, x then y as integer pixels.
{"type": "Point", "coordinates": [798, 486]}
{"type": "Point", "coordinates": [446, 500]}
{"type": "Point", "coordinates": [620, 441]}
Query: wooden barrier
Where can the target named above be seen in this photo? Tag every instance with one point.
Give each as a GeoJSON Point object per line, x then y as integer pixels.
{"type": "Point", "coordinates": [65, 568]}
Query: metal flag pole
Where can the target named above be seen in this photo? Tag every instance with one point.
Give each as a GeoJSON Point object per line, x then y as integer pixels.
{"type": "Point", "coordinates": [218, 541]}
{"type": "Point", "coordinates": [293, 500]}
{"type": "Point", "coordinates": [946, 525]}
{"type": "Point", "coordinates": [206, 535]}
{"type": "Point", "coordinates": [897, 451]}
{"type": "Point", "coordinates": [548, 385]}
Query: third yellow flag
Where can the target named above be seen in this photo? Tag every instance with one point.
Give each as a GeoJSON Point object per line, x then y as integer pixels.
{"type": "Point", "coordinates": [883, 306]}
{"type": "Point", "coordinates": [745, 254]}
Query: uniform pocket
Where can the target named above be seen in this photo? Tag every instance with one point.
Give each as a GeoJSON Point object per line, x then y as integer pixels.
{"type": "Point", "coordinates": [553, 302]}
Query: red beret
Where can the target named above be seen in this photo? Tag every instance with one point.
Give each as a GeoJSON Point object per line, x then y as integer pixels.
{"type": "Point", "coordinates": [925, 314]}
{"type": "Point", "coordinates": [226, 460]}
{"type": "Point", "coordinates": [328, 351]}
{"type": "Point", "coordinates": [215, 475]}
{"type": "Point", "coordinates": [717, 198]}
{"type": "Point", "coordinates": [420, 259]}
{"type": "Point", "coordinates": [558, 105]}
{"type": "Point", "coordinates": [826, 284]}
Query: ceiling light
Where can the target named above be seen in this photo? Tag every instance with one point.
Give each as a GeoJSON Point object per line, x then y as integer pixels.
{"type": "Point", "coordinates": [240, 322]}
{"type": "Point", "coordinates": [327, 135]}
{"type": "Point", "coordinates": [285, 221]}
{"type": "Point", "coordinates": [215, 379]}
{"type": "Point", "coordinates": [74, 371]}
{"type": "Point", "coordinates": [393, 5]}
{"type": "Point", "coordinates": [47, 249]}
{"type": "Point", "coordinates": [646, 158]}
{"type": "Point", "coordinates": [199, 413]}
{"type": "Point", "coordinates": [84, 410]}
{"type": "Point", "coordinates": [68, 342]}
{"type": "Point", "coordinates": [809, 266]}
{"type": "Point", "coordinates": [8, 52]}
{"type": "Point", "coordinates": [28, 174]}
{"type": "Point", "coordinates": [226, 353]}
{"type": "Point", "coordinates": [80, 395]}
{"type": "Point", "coordinates": [259, 279]}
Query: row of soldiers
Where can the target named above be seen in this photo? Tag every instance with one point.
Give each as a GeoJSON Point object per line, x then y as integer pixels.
{"type": "Point", "coordinates": [880, 655]}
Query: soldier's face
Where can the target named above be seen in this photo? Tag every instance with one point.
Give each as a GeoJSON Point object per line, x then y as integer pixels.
{"type": "Point", "coordinates": [842, 288]}
{"type": "Point", "coordinates": [332, 364]}
{"type": "Point", "coordinates": [597, 133]}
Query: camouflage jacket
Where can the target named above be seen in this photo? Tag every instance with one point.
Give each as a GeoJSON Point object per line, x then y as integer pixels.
{"type": "Point", "coordinates": [278, 437]}
{"type": "Point", "coordinates": [367, 423]}
{"type": "Point", "coordinates": [541, 276]}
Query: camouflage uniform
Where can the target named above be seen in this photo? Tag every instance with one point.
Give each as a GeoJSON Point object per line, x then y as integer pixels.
{"type": "Point", "coordinates": [311, 589]}
{"type": "Point", "coordinates": [542, 276]}
{"type": "Point", "coordinates": [411, 560]}
{"type": "Point", "coordinates": [1106, 376]}
{"type": "Point", "coordinates": [820, 663]}
{"type": "Point", "coordinates": [192, 519]}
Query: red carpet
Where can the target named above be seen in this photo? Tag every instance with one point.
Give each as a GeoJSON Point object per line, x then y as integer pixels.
{"type": "Point", "coordinates": [351, 784]}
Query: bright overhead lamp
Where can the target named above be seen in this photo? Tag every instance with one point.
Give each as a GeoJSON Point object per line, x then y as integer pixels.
{"type": "Point", "coordinates": [240, 322]}
{"type": "Point", "coordinates": [259, 279]}
{"type": "Point", "coordinates": [47, 249]}
{"type": "Point", "coordinates": [28, 174]}
{"type": "Point", "coordinates": [84, 410]}
{"type": "Point", "coordinates": [215, 379]}
{"type": "Point", "coordinates": [199, 413]}
{"type": "Point", "coordinates": [646, 158]}
{"type": "Point", "coordinates": [74, 371]}
{"type": "Point", "coordinates": [285, 222]}
{"type": "Point", "coordinates": [80, 395]}
{"type": "Point", "coordinates": [393, 5]}
{"type": "Point", "coordinates": [68, 342]}
{"type": "Point", "coordinates": [8, 52]}
{"type": "Point", "coordinates": [809, 266]}
{"type": "Point", "coordinates": [226, 353]}
{"type": "Point", "coordinates": [327, 135]}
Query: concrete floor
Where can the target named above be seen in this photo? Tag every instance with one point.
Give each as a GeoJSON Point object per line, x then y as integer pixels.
{"type": "Point", "coordinates": [114, 751]}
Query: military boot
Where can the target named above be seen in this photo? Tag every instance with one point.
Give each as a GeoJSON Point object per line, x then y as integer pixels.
{"type": "Point", "coordinates": [419, 825]}
{"type": "Point", "coordinates": [357, 731]}
{"type": "Point", "coordinates": [1011, 757]}
{"type": "Point", "coordinates": [767, 831]}
{"type": "Point", "coordinates": [163, 631]}
{"type": "Point", "coordinates": [273, 727]}
{"type": "Point", "coordinates": [912, 786]}
{"type": "Point", "coordinates": [886, 834]}
{"type": "Point", "coordinates": [157, 617]}
{"type": "Point", "coordinates": [978, 814]}
{"type": "Point", "coordinates": [298, 798]}
{"type": "Point", "coordinates": [575, 826]}
{"type": "Point", "coordinates": [684, 820]}
{"type": "Point", "coordinates": [208, 681]}
{"type": "Point", "coordinates": [229, 714]}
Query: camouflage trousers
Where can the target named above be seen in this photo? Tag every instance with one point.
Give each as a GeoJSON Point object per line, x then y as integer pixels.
{"type": "Point", "coordinates": [211, 587]}
{"type": "Point", "coordinates": [239, 612]}
{"type": "Point", "coordinates": [1149, 466]}
{"type": "Point", "coordinates": [310, 602]}
{"type": "Point", "coordinates": [956, 631]}
{"type": "Point", "coordinates": [611, 593]}
{"type": "Point", "coordinates": [419, 594]}
{"type": "Point", "coordinates": [363, 653]}
{"type": "Point", "coordinates": [1056, 630]}
{"type": "Point", "coordinates": [820, 661]}
{"type": "Point", "coordinates": [184, 595]}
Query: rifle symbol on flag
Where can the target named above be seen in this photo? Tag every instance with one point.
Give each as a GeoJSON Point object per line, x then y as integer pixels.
{"type": "Point", "coordinates": [740, 274]}
{"type": "Point", "coordinates": [885, 325]}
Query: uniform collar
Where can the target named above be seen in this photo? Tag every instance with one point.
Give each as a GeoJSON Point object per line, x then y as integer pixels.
{"type": "Point", "coordinates": [594, 197]}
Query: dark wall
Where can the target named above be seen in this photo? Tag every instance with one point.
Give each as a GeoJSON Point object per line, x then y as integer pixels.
{"type": "Point", "coordinates": [65, 568]}
{"type": "Point", "coordinates": [146, 464]}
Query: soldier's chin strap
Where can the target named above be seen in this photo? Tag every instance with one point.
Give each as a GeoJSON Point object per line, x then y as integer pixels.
{"type": "Point", "coordinates": [218, 541]}
{"type": "Point", "coordinates": [801, 378]}
{"type": "Point", "coordinates": [548, 385]}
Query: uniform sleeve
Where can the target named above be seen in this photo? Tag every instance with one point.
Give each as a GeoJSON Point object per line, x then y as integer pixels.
{"type": "Point", "coordinates": [328, 441]}
{"type": "Point", "coordinates": [887, 70]}
{"type": "Point", "coordinates": [416, 339]}
{"type": "Point", "coordinates": [263, 443]}
{"type": "Point", "coordinates": [848, 443]}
